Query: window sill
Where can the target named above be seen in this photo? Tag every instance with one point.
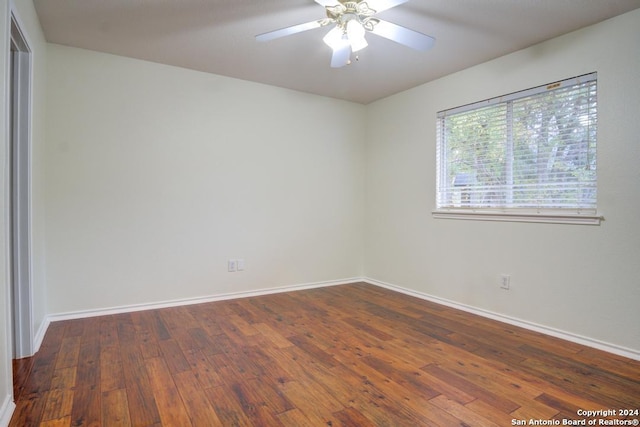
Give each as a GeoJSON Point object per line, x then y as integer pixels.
{"type": "Point", "coordinates": [589, 218]}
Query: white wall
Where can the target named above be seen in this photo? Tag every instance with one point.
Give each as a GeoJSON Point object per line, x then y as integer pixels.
{"type": "Point", "coordinates": [583, 280]}
{"type": "Point", "coordinates": [156, 175]}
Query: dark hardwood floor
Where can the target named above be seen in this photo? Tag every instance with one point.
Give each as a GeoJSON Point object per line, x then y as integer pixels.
{"type": "Point", "coordinates": [351, 355]}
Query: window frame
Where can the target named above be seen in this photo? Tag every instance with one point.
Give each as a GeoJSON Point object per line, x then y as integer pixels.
{"type": "Point", "coordinates": [575, 215]}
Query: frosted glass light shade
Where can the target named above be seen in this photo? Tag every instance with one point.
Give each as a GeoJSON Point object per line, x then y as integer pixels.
{"type": "Point", "coordinates": [355, 33]}
{"type": "Point", "coordinates": [334, 38]}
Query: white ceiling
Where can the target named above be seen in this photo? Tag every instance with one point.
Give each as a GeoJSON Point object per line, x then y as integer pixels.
{"type": "Point", "coordinates": [217, 36]}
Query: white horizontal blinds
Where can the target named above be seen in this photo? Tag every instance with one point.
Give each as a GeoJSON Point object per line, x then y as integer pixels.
{"type": "Point", "coordinates": [475, 157]}
{"type": "Point", "coordinates": [555, 148]}
{"type": "Point", "coordinates": [536, 149]}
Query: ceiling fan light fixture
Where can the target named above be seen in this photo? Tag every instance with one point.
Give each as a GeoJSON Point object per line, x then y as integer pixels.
{"type": "Point", "coordinates": [352, 20]}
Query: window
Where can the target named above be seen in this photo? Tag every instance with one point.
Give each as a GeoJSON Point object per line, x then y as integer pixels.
{"type": "Point", "coordinates": [527, 156]}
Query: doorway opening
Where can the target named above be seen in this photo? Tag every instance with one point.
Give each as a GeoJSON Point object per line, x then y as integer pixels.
{"type": "Point", "coordinates": [19, 114]}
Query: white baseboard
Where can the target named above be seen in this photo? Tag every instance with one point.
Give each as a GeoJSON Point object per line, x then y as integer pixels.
{"type": "Point", "coordinates": [6, 411]}
{"type": "Point", "coordinates": [39, 336]}
{"type": "Point", "coordinates": [197, 300]}
{"type": "Point", "coordinates": [568, 336]}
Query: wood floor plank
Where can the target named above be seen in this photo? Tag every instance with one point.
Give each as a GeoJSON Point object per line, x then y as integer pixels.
{"type": "Point", "coordinates": [610, 387]}
{"type": "Point", "coordinates": [445, 388]}
{"type": "Point", "coordinates": [88, 372]}
{"type": "Point", "coordinates": [295, 417]}
{"type": "Point", "coordinates": [316, 407]}
{"type": "Point", "coordinates": [348, 355]}
{"type": "Point", "coordinates": [111, 369]}
{"type": "Point", "coordinates": [173, 356]}
{"type": "Point", "coordinates": [21, 370]}
{"type": "Point", "coordinates": [234, 365]}
{"type": "Point", "coordinates": [86, 409]}
{"type": "Point", "coordinates": [115, 408]}
{"type": "Point", "coordinates": [486, 411]}
{"type": "Point", "coordinates": [382, 391]}
{"type": "Point", "coordinates": [41, 373]}
{"type": "Point", "coordinates": [272, 397]}
{"type": "Point", "coordinates": [142, 404]}
{"type": "Point", "coordinates": [535, 410]}
{"type": "Point", "coordinates": [500, 402]}
{"type": "Point", "coordinates": [254, 407]}
{"type": "Point", "coordinates": [75, 327]}
{"type": "Point", "coordinates": [488, 378]}
{"type": "Point", "coordinates": [203, 340]}
{"type": "Point", "coordinates": [64, 378]}
{"type": "Point", "coordinates": [411, 381]}
{"type": "Point", "coordinates": [302, 370]}
{"type": "Point", "coordinates": [58, 403]}
{"type": "Point", "coordinates": [368, 329]}
{"type": "Point", "coordinates": [307, 345]}
{"type": "Point", "coordinates": [28, 412]}
{"type": "Point", "coordinates": [272, 335]}
{"type": "Point", "coordinates": [203, 370]}
{"type": "Point", "coordinates": [108, 331]}
{"type": "Point", "coordinates": [351, 417]}
{"type": "Point", "coordinates": [242, 325]}
{"type": "Point", "coordinates": [169, 403]}
{"type": "Point", "coordinates": [227, 408]}
{"type": "Point", "coordinates": [609, 362]}
{"type": "Point", "coordinates": [198, 407]}
{"type": "Point", "coordinates": [69, 352]}
{"type": "Point", "coordinates": [179, 317]}
{"type": "Point", "coordinates": [61, 422]}
{"type": "Point", "coordinates": [463, 413]}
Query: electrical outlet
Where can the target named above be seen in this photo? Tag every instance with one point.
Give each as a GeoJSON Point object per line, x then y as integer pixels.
{"type": "Point", "coordinates": [232, 265]}
{"type": "Point", "coordinates": [505, 282]}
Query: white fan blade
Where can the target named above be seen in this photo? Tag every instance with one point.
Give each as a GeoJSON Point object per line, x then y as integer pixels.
{"type": "Point", "coordinates": [402, 35]}
{"type": "Point", "coordinates": [341, 56]}
{"type": "Point", "coordinates": [289, 31]}
{"type": "Point", "coordinates": [380, 5]}
{"type": "Point", "coordinates": [326, 3]}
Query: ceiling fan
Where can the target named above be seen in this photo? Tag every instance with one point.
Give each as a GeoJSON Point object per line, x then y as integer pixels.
{"type": "Point", "coordinates": [353, 19]}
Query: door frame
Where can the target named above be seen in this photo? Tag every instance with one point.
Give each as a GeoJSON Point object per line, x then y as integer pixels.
{"type": "Point", "coordinates": [19, 107]}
